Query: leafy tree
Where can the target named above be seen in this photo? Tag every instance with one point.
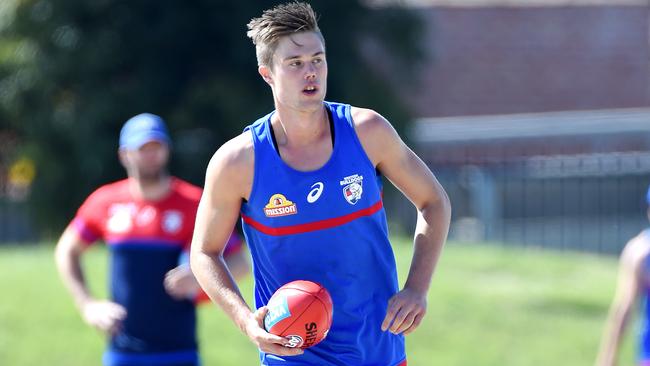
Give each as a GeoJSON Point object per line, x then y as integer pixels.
{"type": "Point", "coordinates": [72, 71]}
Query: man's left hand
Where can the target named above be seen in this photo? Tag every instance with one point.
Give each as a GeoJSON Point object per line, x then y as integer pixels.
{"type": "Point", "coordinates": [180, 283]}
{"type": "Point", "coordinates": [405, 311]}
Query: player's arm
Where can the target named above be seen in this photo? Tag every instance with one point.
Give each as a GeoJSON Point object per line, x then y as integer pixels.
{"type": "Point", "coordinates": [627, 291]}
{"type": "Point", "coordinates": [101, 314]}
{"type": "Point", "coordinates": [229, 175]}
{"type": "Point", "coordinates": [412, 177]}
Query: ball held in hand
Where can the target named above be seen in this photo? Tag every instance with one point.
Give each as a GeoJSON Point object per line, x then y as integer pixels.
{"type": "Point", "coordinates": [300, 311]}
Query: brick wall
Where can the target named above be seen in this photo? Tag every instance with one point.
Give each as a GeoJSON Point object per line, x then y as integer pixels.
{"type": "Point", "coordinates": [513, 60]}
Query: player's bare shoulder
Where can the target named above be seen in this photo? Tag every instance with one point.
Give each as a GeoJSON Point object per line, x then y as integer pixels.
{"type": "Point", "coordinates": [368, 121]}
{"type": "Point", "coordinates": [375, 132]}
{"type": "Point", "coordinates": [636, 251]}
{"type": "Point", "coordinates": [232, 165]}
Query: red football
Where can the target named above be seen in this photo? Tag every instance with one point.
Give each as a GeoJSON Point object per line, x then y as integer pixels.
{"type": "Point", "coordinates": [300, 311]}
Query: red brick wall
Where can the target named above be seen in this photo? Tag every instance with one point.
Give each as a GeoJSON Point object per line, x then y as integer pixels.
{"type": "Point", "coordinates": [512, 60]}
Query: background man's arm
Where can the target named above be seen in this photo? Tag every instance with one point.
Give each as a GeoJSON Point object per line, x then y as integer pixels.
{"type": "Point", "coordinates": [180, 282]}
{"type": "Point", "coordinates": [238, 264]}
{"type": "Point", "coordinates": [627, 291]}
{"type": "Point", "coordinates": [104, 315]}
{"type": "Point", "coordinates": [413, 178]}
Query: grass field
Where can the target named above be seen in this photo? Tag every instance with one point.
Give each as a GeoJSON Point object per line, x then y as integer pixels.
{"type": "Point", "coordinates": [488, 305]}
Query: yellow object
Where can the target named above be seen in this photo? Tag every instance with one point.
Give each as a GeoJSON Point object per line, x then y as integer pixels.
{"type": "Point", "coordinates": [22, 172]}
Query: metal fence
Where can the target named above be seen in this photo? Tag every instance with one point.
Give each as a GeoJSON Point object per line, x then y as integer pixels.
{"type": "Point", "coordinates": [551, 203]}
{"type": "Point", "coordinates": [574, 180]}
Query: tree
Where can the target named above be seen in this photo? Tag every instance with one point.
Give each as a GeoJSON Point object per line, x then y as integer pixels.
{"type": "Point", "coordinates": [80, 68]}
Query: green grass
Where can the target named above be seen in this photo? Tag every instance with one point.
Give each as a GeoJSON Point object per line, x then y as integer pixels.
{"type": "Point", "coordinates": [488, 305]}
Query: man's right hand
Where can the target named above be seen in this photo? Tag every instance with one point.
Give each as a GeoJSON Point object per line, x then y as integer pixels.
{"type": "Point", "coordinates": [104, 315]}
{"type": "Point", "coordinates": [265, 341]}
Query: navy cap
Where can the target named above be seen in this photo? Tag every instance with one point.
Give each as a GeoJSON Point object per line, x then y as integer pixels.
{"type": "Point", "coordinates": [143, 128]}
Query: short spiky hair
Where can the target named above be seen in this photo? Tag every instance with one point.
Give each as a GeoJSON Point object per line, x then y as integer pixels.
{"type": "Point", "coordinates": [277, 22]}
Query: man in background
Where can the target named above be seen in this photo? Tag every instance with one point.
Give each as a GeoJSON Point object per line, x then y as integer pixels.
{"type": "Point", "coordinates": [147, 222]}
{"type": "Point", "coordinates": [633, 288]}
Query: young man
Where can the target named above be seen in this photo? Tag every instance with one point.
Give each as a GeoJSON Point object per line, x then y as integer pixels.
{"type": "Point", "coordinates": [633, 285]}
{"type": "Point", "coordinates": [305, 180]}
{"type": "Point", "coordinates": [147, 221]}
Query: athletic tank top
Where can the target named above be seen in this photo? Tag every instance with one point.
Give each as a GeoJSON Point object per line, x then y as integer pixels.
{"type": "Point", "coordinates": [326, 226]}
{"type": "Point", "coordinates": [644, 339]}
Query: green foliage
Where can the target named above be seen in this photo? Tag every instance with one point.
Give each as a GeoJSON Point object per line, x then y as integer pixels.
{"type": "Point", "coordinates": [72, 71]}
{"type": "Point", "coordinates": [487, 306]}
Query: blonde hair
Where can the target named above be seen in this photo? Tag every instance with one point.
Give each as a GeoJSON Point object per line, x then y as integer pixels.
{"type": "Point", "coordinates": [278, 22]}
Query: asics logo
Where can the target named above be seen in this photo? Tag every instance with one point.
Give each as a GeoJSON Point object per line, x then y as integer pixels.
{"type": "Point", "coordinates": [314, 194]}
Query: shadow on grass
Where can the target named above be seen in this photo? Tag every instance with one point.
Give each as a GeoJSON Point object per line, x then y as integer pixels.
{"type": "Point", "coordinates": [567, 305]}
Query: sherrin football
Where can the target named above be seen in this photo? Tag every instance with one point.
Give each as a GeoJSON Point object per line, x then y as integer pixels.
{"type": "Point", "coordinates": [300, 311]}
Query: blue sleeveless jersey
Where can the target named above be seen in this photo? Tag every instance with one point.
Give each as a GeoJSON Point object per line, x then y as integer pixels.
{"type": "Point", "coordinates": [644, 339]}
{"type": "Point", "coordinates": [326, 226]}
